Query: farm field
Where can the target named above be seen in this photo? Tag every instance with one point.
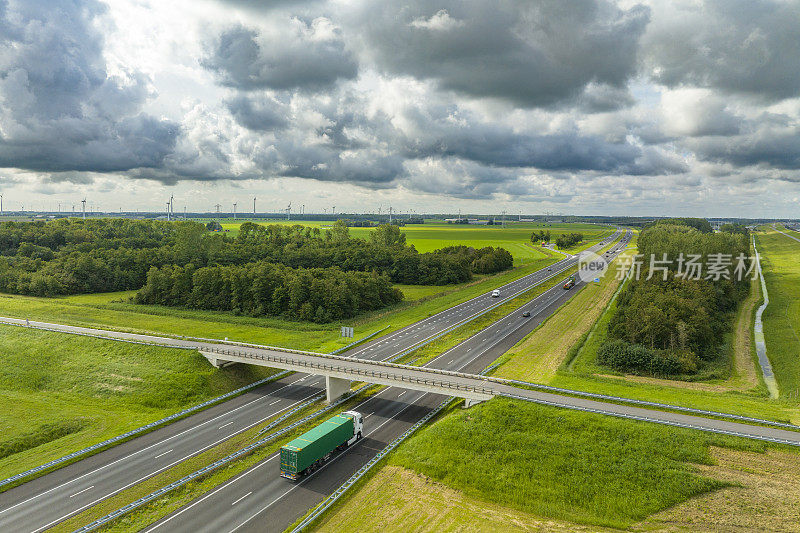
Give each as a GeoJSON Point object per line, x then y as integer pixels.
{"type": "Point", "coordinates": [61, 393]}
{"type": "Point", "coordinates": [516, 461]}
{"type": "Point", "coordinates": [113, 310]}
{"type": "Point", "coordinates": [781, 268]}
{"type": "Point", "coordinates": [515, 237]}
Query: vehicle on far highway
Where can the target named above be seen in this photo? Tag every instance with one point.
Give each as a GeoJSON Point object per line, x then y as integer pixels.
{"type": "Point", "coordinates": [495, 293]}
{"type": "Point", "coordinates": [310, 450]}
{"type": "Point", "coordinates": [526, 314]}
{"type": "Point", "coordinates": [569, 284]}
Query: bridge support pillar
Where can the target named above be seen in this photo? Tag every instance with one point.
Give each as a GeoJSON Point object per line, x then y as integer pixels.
{"type": "Point", "coordinates": [215, 361]}
{"type": "Point", "coordinates": [335, 387]}
{"type": "Point", "coordinates": [469, 402]}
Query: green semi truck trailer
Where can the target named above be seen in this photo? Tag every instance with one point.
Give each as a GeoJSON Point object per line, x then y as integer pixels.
{"type": "Point", "coordinates": [310, 450]}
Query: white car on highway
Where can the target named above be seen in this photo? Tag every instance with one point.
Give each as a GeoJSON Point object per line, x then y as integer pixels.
{"type": "Point", "coordinates": [495, 293]}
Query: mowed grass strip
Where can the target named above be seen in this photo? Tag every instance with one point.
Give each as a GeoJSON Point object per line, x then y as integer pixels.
{"type": "Point", "coordinates": [61, 393]}
{"type": "Point", "coordinates": [562, 464]}
{"type": "Point", "coordinates": [780, 263]}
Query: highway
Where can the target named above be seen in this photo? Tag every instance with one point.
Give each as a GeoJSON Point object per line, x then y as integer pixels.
{"type": "Point", "coordinates": [45, 501]}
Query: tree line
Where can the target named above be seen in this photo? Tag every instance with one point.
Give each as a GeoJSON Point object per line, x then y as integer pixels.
{"type": "Point", "coordinates": [673, 324]}
{"type": "Point", "coordinates": [74, 256]}
{"type": "Point", "coordinates": [257, 289]}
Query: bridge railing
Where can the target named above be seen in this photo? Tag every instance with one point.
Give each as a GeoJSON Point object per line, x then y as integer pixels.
{"type": "Point", "coordinates": [360, 372]}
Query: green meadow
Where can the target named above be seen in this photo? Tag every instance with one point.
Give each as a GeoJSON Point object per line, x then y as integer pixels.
{"type": "Point", "coordinates": [514, 237]}
{"type": "Point", "coordinates": [556, 463]}
{"type": "Point", "coordinates": [780, 263]}
{"type": "Point", "coordinates": [61, 393]}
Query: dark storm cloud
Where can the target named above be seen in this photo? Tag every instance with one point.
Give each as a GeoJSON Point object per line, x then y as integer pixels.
{"type": "Point", "coordinates": [530, 53]}
{"type": "Point", "coordinates": [62, 111]}
{"type": "Point", "coordinates": [779, 149]}
{"type": "Point", "coordinates": [294, 58]}
{"type": "Point", "coordinates": [739, 46]}
{"type": "Point", "coordinates": [449, 133]}
{"type": "Point", "coordinates": [258, 114]}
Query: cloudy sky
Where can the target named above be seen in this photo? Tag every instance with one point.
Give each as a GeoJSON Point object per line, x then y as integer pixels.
{"type": "Point", "coordinates": [684, 107]}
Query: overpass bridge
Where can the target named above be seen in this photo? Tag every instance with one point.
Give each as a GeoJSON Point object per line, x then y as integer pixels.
{"type": "Point", "coordinates": [340, 371]}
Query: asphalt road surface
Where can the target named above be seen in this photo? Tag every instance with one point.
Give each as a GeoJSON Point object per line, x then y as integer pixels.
{"type": "Point", "coordinates": [50, 499]}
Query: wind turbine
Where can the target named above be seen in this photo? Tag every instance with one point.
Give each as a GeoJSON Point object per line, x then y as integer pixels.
{"type": "Point", "coordinates": [254, 207]}
{"type": "Point", "coordinates": [234, 210]}
{"type": "Point", "coordinates": [83, 207]}
{"type": "Point", "coordinates": [167, 211]}
{"type": "Point", "coordinates": [1, 204]}
{"type": "Point", "coordinates": [217, 206]}
{"type": "Point", "coordinates": [333, 210]}
{"type": "Point", "coordinates": [289, 211]}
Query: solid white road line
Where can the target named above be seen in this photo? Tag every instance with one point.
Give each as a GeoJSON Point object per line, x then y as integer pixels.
{"type": "Point", "coordinates": [162, 454]}
{"type": "Point", "coordinates": [228, 424]}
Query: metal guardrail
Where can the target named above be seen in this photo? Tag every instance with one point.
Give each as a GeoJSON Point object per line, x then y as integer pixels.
{"type": "Point", "coordinates": [650, 419]}
{"type": "Point", "coordinates": [114, 515]}
{"type": "Point", "coordinates": [140, 430]}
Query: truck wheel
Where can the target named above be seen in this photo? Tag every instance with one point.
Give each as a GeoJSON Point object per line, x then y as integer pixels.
{"type": "Point", "coordinates": [358, 436]}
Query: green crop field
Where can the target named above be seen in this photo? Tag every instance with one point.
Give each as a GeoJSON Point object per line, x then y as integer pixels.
{"type": "Point", "coordinates": [555, 463]}
{"type": "Point", "coordinates": [61, 393]}
{"type": "Point", "coordinates": [780, 262]}
{"type": "Point", "coordinates": [514, 237]}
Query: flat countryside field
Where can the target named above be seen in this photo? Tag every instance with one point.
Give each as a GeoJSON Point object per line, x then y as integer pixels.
{"type": "Point", "coordinates": [514, 237]}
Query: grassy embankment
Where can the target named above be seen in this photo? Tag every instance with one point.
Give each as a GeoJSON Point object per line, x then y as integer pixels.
{"type": "Point", "coordinates": [61, 393]}
{"type": "Point", "coordinates": [780, 262]}
{"type": "Point", "coordinates": [533, 464]}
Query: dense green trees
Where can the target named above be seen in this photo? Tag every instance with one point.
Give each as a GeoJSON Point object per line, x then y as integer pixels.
{"type": "Point", "coordinates": [568, 240]}
{"type": "Point", "coordinates": [671, 318]}
{"type": "Point", "coordinates": [540, 236]}
{"type": "Point", "coordinates": [72, 256]}
{"type": "Point", "coordinates": [256, 289]}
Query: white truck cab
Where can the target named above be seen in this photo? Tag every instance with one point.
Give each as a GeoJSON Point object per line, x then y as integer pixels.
{"type": "Point", "coordinates": [495, 293]}
{"type": "Point", "coordinates": [358, 426]}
